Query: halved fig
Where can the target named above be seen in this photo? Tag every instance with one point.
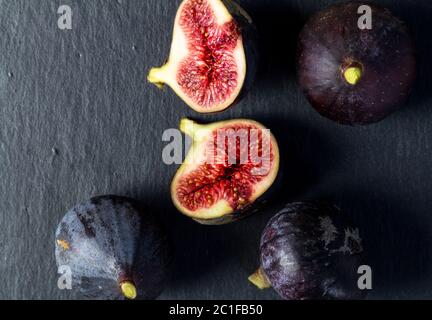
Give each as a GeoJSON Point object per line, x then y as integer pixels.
{"type": "Point", "coordinates": [213, 55]}
{"type": "Point", "coordinates": [230, 165]}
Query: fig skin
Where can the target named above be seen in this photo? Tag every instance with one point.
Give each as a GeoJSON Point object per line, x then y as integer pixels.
{"type": "Point", "coordinates": [308, 251]}
{"type": "Point", "coordinates": [249, 39]}
{"type": "Point", "coordinates": [220, 212]}
{"type": "Point", "coordinates": [114, 249]}
{"type": "Point", "coordinates": [383, 61]}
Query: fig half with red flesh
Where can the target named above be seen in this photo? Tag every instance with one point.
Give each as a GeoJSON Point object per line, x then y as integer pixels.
{"type": "Point", "coordinates": [355, 75]}
{"type": "Point", "coordinates": [213, 55]}
{"type": "Point", "coordinates": [230, 165]}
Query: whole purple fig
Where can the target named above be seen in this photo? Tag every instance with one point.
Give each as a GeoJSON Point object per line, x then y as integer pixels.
{"type": "Point", "coordinates": [308, 251]}
{"type": "Point", "coordinates": [355, 73]}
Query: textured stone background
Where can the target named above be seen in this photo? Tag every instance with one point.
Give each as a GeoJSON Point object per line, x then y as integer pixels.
{"type": "Point", "coordinates": [77, 119]}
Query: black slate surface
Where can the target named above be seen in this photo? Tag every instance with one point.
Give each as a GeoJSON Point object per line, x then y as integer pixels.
{"type": "Point", "coordinates": [77, 119]}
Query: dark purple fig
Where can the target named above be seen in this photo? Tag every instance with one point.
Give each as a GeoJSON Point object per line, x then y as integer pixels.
{"type": "Point", "coordinates": [213, 56]}
{"type": "Point", "coordinates": [113, 249]}
{"type": "Point", "coordinates": [308, 251]}
{"type": "Point", "coordinates": [355, 75]}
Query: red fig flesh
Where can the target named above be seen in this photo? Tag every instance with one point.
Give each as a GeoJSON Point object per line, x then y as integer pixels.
{"type": "Point", "coordinates": [230, 165]}
{"type": "Point", "coordinates": [207, 63]}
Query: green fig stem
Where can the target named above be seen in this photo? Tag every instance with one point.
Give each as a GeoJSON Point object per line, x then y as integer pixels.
{"type": "Point", "coordinates": [353, 74]}
{"type": "Point", "coordinates": [259, 279]}
{"type": "Point", "coordinates": [188, 127]}
{"type": "Point", "coordinates": [194, 130]}
{"type": "Point", "coordinates": [157, 76]}
{"type": "Point", "coordinates": [129, 290]}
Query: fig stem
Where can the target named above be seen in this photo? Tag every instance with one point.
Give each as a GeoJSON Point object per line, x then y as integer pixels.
{"type": "Point", "coordinates": [188, 127]}
{"type": "Point", "coordinates": [129, 290]}
{"type": "Point", "coordinates": [353, 75]}
{"type": "Point", "coordinates": [259, 279]}
{"type": "Point", "coordinates": [194, 130]}
{"type": "Point", "coordinates": [157, 76]}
